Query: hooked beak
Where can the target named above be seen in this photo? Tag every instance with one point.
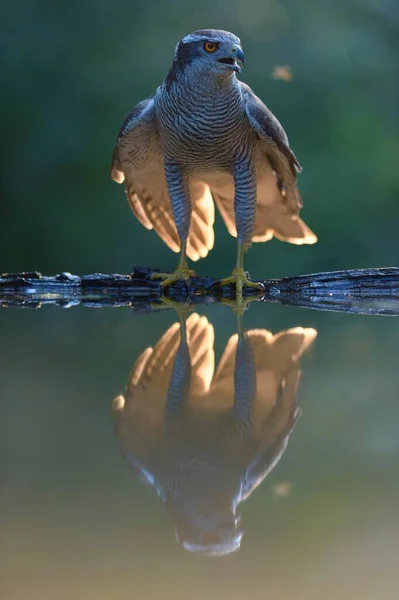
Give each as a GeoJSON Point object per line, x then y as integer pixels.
{"type": "Point", "coordinates": [236, 60]}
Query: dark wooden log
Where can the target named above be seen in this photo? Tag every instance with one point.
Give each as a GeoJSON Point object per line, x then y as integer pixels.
{"type": "Point", "coordinates": [367, 291]}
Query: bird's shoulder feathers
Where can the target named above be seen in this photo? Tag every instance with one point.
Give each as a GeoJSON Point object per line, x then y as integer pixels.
{"type": "Point", "coordinates": [142, 114]}
{"type": "Point", "coordinates": [142, 111]}
{"type": "Point", "coordinates": [267, 126]}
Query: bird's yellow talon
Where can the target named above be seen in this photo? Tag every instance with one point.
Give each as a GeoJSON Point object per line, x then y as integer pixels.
{"type": "Point", "coordinates": [182, 273]}
{"type": "Point", "coordinates": [240, 279]}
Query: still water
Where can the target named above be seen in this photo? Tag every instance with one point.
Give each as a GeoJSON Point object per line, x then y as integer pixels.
{"type": "Point", "coordinates": [145, 456]}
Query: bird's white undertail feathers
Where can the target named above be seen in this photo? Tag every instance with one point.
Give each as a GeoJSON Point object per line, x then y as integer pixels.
{"type": "Point", "coordinates": [276, 221]}
{"type": "Point", "coordinates": [276, 215]}
{"type": "Point", "coordinates": [221, 394]}
{"type": "Point", "coordinates": [150, 375]}
{"type": "Point", "coordinates": [225, 370]}
{"type": "Point", "coordinates": [200, 338]}
{"type": "Point", "coordinates": [201, 236]}
{"type": "Point", "coordinates": [153, 210]}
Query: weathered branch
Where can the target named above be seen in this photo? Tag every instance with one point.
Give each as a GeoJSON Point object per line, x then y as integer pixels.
{"type": "Point", "coordinates": [367, 291]}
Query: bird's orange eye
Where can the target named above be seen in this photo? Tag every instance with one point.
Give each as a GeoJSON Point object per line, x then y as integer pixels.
{"type": "Point", "coordinates": [210, 46]}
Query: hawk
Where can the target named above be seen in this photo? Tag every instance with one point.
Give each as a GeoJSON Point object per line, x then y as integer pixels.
{"type": "Point", "coordinates": [204, 438]}
{"type": "Point", "coordinates": [205, 138]}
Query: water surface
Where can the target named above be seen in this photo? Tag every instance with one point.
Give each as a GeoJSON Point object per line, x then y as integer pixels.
{"type": "Point", "coordinates": [125, 469]}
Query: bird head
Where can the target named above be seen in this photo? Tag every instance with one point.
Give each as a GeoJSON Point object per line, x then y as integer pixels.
{"type": "Point", "coordinates": [209, 51]}
{"type": "Point", "coordinates": [210, 537]}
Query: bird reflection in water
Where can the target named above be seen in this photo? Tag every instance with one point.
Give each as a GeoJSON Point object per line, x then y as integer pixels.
{"type": "Point", "coordinates": [206, 440]}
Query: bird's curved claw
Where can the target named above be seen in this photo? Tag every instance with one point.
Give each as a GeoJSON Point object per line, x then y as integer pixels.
{"type": "Point", "coordinates": [182, 273]}
{"type": "Point", "coordinates": [240, 279]}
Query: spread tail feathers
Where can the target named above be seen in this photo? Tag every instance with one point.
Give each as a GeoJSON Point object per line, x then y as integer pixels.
{"type": "Point", "coordinates": [274, 220]}
{"type": "Point", "coordinates": [271, 220]}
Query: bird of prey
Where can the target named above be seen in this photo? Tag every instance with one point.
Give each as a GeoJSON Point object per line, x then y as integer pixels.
{"type": "Point", "coordinates": [203, 440]}
{"type": "Point", "coordinates": [204, 137]}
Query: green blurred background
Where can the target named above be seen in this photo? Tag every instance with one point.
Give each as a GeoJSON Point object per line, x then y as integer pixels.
{"type": "Point", "coordinates": [75, 521]}
{"type": "Point", "coordinates": [71, 71]}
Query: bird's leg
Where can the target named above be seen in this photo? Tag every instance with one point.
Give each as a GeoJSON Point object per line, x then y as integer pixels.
{"type": "Point", "coordinates": [245, 389]}
{"type": "Point", "coordinates": [179, 192]}
{"type": "Point", "coordinates": [183, 309]}
{"type": "Point", "coordinates": [180, 379]}
{"type": "Point", "coordinates": [245, 213]}
{"type": "Point", "coordinates": [239, 276]}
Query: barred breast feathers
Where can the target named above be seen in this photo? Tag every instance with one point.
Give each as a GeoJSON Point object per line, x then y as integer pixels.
{"type": "Point", "coordinates": [201, 120]}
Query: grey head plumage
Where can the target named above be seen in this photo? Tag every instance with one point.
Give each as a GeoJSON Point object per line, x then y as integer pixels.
{"type": "Point", "coordinates": [211, 51]}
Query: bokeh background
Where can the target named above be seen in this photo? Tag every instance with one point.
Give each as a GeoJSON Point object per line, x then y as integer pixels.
{"type": "Point", "coordinates": [71, 72]}
{"type": "Point", "coordinates": [75, 522]}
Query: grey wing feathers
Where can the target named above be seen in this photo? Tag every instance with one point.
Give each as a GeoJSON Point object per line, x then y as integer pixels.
{"type": "Point", "coordinates": [278, 198]}
{"type": "Point", "coordinates": [138, 161]}
{"type": "Point", "coordinates": [267, 125]}
{"type": "Point", "coordinates": [127, 125]}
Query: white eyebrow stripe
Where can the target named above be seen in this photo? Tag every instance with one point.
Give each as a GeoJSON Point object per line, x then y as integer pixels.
{"type": "Point", "coordinates": [203, 38]}
{"type": "Point", "coordinates": [198, 38]}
